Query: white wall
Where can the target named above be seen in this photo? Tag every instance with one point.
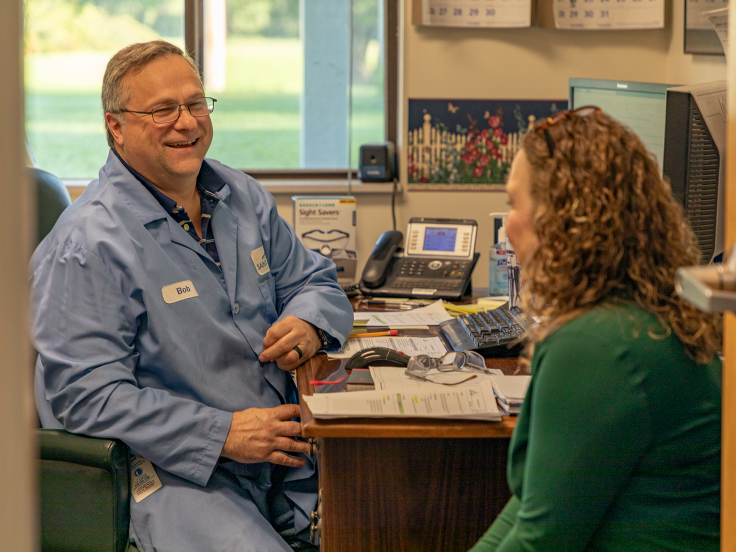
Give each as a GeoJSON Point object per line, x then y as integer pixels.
{"type": "Point", "coordinates": [529, 63]}
{"type": "Point", "coordinates": [17, 467]}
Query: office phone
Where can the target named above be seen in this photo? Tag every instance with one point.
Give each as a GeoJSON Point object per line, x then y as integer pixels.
{"type": "Point", "coordinates": [436, 261]}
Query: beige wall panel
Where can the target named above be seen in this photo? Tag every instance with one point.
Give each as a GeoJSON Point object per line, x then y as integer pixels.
{"type": "Point", "coordinates": [17, 465]}
{"type": "Point", "coordinates": [685, 68]}
{"type": "Point", "coordinates": [529, 63]}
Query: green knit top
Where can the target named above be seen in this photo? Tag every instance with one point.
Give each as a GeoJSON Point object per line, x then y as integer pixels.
{"type": "Point", "coordinates": [618, 443]}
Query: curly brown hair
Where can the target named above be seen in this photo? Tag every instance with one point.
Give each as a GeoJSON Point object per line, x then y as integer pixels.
{"type": "Point", "coordinates": [609, 230]}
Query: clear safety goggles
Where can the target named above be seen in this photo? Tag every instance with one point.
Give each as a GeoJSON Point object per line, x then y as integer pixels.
{"type": "Point", "coordinates": [432, 369]}
{"type": "Point", "coordinates": [325, 242]}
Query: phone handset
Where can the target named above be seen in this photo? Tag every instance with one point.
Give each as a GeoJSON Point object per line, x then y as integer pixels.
{"type": "Point", "coordinates": [377, 268]}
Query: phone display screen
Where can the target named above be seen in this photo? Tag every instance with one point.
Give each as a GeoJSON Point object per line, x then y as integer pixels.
{"type": "Point", "coordinates": [439, 239]}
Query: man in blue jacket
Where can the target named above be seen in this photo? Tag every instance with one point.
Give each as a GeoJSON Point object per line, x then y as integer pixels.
{"type": "Point", "coordinates": [169, 303]}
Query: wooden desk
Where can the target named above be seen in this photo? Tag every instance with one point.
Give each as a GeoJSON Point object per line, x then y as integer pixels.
{"type": "Point", "coordinates": [398, 485]}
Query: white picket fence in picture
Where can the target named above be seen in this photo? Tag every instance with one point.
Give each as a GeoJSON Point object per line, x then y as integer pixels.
{"type": "Point", "coordinates": [428, 147]}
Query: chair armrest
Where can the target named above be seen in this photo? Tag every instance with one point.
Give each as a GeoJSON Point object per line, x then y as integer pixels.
{"type": "Point", "coordinates": [85, 492]}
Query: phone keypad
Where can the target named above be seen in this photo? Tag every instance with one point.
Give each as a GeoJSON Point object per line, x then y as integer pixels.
{"type": "Point", "coordinates": [432, 269]}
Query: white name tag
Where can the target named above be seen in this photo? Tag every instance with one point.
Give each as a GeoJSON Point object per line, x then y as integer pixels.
{"type": "Point", "coordinates": [179, 291]}
{"type": "Point", "coordinates": [143, 478]}
{"type": "Point", "coordinates": [260, 261]}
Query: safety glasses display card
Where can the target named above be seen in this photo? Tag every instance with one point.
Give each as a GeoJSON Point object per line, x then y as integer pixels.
{"type": "Point", "coordinates": [327, 225]}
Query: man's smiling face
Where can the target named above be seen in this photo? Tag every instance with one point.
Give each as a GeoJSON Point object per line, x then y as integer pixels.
{"type": "Point", "coordinates": [169, 155]}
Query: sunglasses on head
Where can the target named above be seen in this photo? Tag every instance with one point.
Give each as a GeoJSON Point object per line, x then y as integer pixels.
{"type": "Point", "coordinates": [545, 124]}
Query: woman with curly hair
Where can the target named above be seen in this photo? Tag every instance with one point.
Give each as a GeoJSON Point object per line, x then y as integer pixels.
{"type": "Point", "coordinates": [617, 446]}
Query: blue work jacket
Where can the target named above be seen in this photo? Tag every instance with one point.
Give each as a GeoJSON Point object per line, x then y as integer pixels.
{"type": "Point", "coordinates": [121, 357]}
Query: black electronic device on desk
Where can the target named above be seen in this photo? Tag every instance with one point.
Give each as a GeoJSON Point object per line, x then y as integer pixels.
{"type": "Point", "coordinates": [436, 263]}
{"type": "Point", "coordinates": [493, 333]}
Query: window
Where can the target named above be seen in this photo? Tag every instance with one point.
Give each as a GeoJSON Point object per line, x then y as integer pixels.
{"type": "Point", "coordinates": [289, 96]}
{"type": "Point", "coordinates": [68, 44]}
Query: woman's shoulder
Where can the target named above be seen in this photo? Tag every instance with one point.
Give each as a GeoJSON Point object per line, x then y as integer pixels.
{"type": "Point", "coordinates": [609, 323]}
{"type": "Point", "coordinates": [620, 341]}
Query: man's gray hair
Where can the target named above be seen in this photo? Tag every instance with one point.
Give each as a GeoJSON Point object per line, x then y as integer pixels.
{"type": "Point", "coordinates": [132, 59]}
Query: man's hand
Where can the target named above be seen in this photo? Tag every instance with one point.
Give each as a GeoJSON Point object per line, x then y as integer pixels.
{"type": "Point", "coordinates": [282, 337]}
{"type": "Point", "coordinates": [265, 435]}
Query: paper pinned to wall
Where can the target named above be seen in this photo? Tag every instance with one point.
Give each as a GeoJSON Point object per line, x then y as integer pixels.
{"type": "Point", "coordinates": [719, 20]}
{"type": "Point", "coordinates": [606, 15]}
{"type": "Point", "coordinates": [471, 13]}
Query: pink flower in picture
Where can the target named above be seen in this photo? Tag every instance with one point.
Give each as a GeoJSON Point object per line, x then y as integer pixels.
{"type": "Point", "coordinates": [498, 132]}
{"type": "Point", "coordinates": [484, 160]}
{"type": "Point", "coordinates": [494, 121]}
{"type": "Point", "coordinates": [478, 171]}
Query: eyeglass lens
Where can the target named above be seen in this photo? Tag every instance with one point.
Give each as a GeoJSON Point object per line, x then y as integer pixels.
{"type": "Point", "coordinates": [170, 112]}
{"type": "Point", "coordinates": [451, 361]}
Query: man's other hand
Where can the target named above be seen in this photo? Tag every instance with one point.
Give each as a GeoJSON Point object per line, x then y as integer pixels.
{"type": "Point", "coordinates": [265, 435]}
{"type": "Point", "coordinates": [283, 336]}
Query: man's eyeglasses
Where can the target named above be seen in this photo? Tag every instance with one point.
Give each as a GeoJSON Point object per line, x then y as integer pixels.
{"type": "Point", "coordinates": [544, 124]}
{"type": "Point", "coordinates": [421, 366]}
{"type": "Point", "coordinates": [169, 113]}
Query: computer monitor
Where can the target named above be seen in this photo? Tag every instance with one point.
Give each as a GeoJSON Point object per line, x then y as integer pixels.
{"type": "Point", "coordinates": [638, 105]}
{"type": "Point", "coordinates": [695, 160]}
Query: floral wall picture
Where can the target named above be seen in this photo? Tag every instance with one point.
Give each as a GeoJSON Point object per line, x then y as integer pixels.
{"type": "Point", "coordinates": [468, 144]}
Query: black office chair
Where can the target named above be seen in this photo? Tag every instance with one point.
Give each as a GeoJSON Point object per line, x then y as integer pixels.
{"type": "Point", "coordinates": [84, 482]}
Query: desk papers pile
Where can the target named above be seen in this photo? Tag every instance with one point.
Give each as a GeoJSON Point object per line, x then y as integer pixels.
{"type": "Point", "coordinates": [510, 392]}
{"type": "Point", "coordinates": [421, 317]}
{"type": "Point", "coordinates": [408, 345]}
{"type": "Point", "coordinates": [471, 403]}
{"type": "Point", "coordinates": [407, 397]}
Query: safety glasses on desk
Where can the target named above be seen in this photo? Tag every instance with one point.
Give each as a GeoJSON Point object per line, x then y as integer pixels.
{"type": "Point", "coordinates": [422, 366]}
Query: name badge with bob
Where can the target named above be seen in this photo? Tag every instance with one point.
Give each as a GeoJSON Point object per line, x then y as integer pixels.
{"type": "Point", "coordinates": [178, 292]}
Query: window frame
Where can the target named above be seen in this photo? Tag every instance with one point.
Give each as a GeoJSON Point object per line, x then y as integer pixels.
{"type": "Point", "coordinates": [279, 178]}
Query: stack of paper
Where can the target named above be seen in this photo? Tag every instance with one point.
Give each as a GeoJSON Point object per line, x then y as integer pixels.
{"type": "Point", "coordinates": [422, 317]}
{"type": "Point", "coordinates": [510, 392]}
{"type": "Point", "coordinates": [470, 403]}
{"type": "Point", "coordinates": [410, 346]}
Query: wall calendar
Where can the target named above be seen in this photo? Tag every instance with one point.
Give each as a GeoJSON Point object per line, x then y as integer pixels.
{"type": "Point", "coordinates": [476, 13]}
{"type": "Point", "coordinates": [609, 14]}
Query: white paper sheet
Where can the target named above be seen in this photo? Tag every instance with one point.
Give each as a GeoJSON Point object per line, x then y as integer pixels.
{"type": "Point", "coordinates": [719, 20]}
{"type": "Point", "coordinates": [511, 389]}
{"type": "Point", "coordinates": [431, 315]}
{"type": "Point", "coordinates": [411, 346]}
{"type": "Point", "coordinates": [474, 403]}
{"type": "Point", "coordinates": [607, 15]}
{"type": "Point", "coordinates": [471, 13]}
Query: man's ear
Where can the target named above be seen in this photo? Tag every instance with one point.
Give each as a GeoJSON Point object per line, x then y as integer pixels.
{"type": "Point", "coordinates": [115, 127]}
